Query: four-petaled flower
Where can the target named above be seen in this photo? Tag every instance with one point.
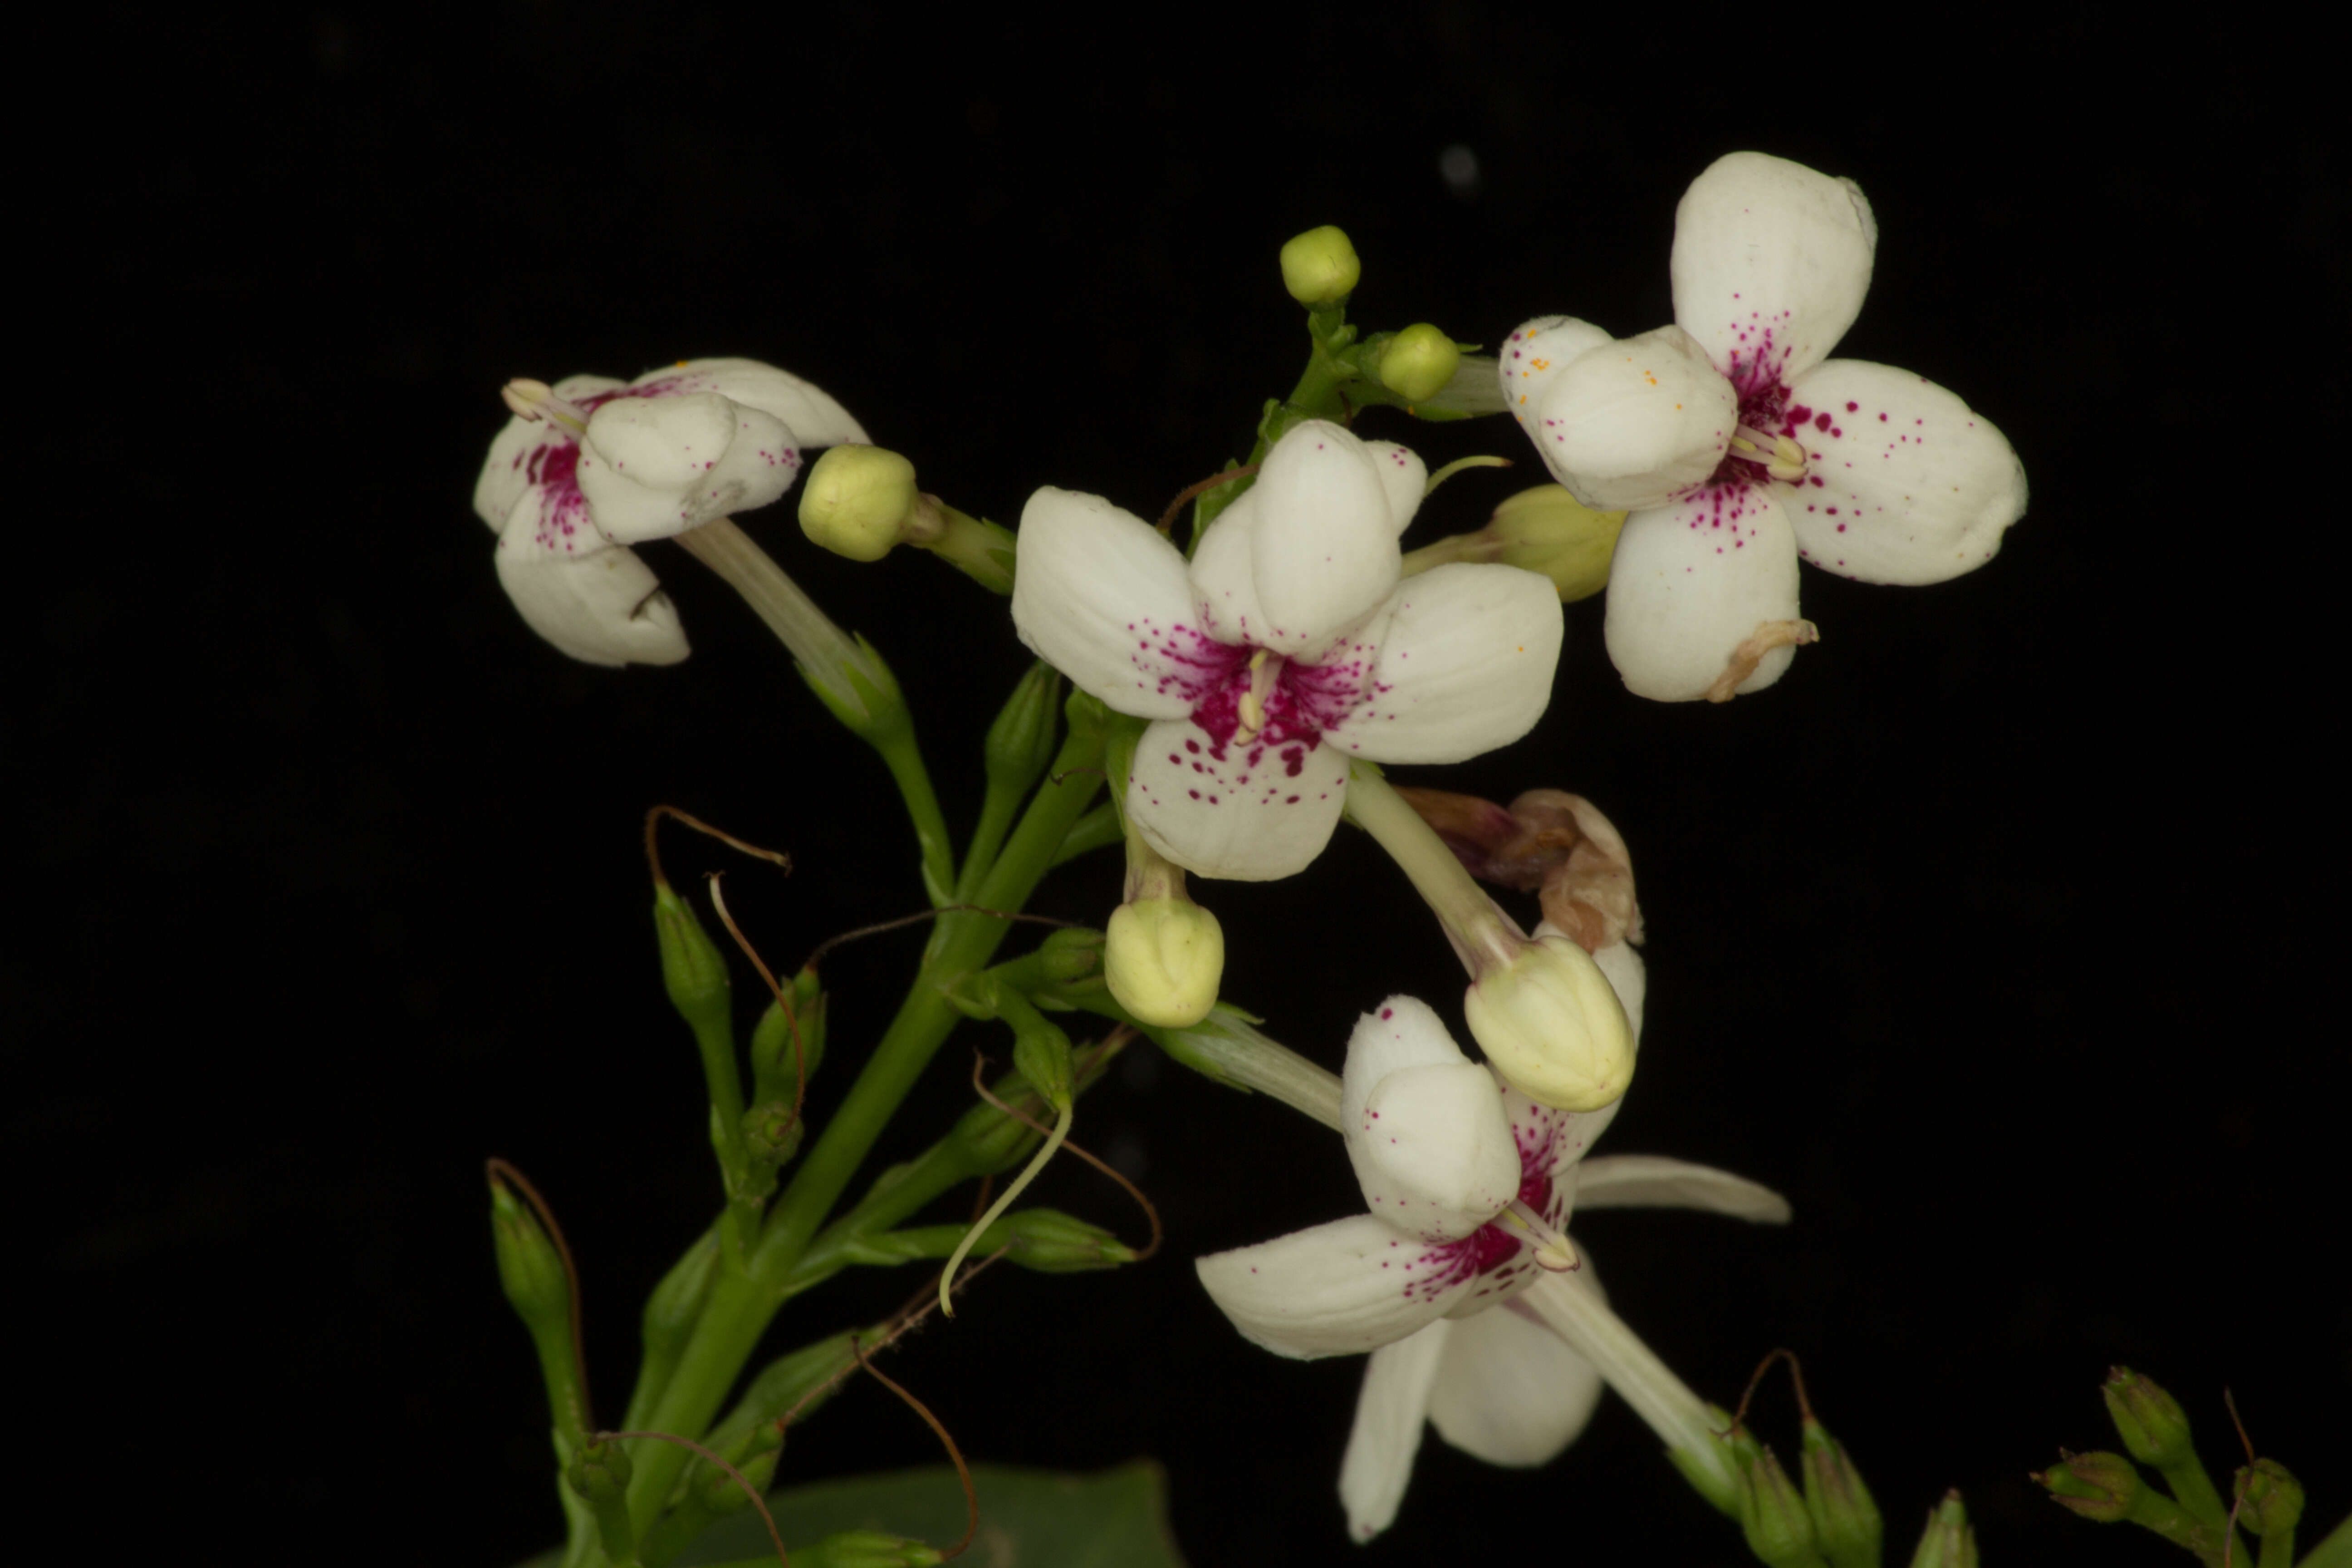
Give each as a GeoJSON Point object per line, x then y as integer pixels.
{"type": "Point", "coordinates": [1738, 446]}
{"type": "Point", "coordinates": [1287, 646]}
{"type": "Point", "coordinates": [1470, 1186]}
{"type": "Point", "coordinates": [592, 466]}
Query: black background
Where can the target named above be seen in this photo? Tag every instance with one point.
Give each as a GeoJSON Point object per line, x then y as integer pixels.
{"type": "Point", "coordinates": [1999, 935]}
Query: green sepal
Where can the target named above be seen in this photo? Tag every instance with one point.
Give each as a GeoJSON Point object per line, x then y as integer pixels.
{"type": "Point", "coordinates": [673, 1309]}
{"type": "Point", "coordinates": [1027, 730]}
{"type": "Point", "coordinates": [1071, 957]}
{"type": "Point", "coordinates": [694, 972]}
{"type": "Point", "coordinates": [2270, 1503]}
{"type": "Point", "coordinates": [867, 1549]}
{"type": "Point", "coordinates": [1846, 1522]}
{"type": "Point", "coordinates": [772, 1131]}
{"type": "Point", "coordinates": [531, 1273]}
{"type": "Point", "coordinates": [1737, 1450]}
{"type": "Point", "coordinates": [1948, 1541]}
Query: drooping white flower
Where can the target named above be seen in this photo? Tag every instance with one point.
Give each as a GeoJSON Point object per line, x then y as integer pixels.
{"type": "Point", "coordinates": [1287, 646]}
{"type": "Point", "coordinates": [1738, 446]}
{"type": "Point", "coordinates": [1470, 1186]}
{"type": "Point", "coordinates": [592, 466]}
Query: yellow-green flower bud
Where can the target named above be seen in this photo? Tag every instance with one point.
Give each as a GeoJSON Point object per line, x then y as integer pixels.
{"type": "Point", "coordinates": [529, 1269]}
{"type": "Point", "coordinates": [1419, 361]}
{"type": "Point", "coordinates": [1547, 530]}
{"type": "Point", "coordinates": [1052, 1242]}
{"type": "Point", "coordinates": [1846, 1523]}
{"type": "Point", "coordinates": [2102, 1487]}
{"type": "Point", "coordinates": [1773, 1517]}
{"type": "Point", "coordinates": [1554, 1029]}
{"type": "Point", "coordinates": [1163, 958]}
{"type": "Point", "coordinates": [858, 501]}
{"type": "Point", "coordinates": [2272, 1504]}
{"type": "Point", "coordinates": [1948, 1541]}
{"type": "Point", "coordinates": [1319, 267]}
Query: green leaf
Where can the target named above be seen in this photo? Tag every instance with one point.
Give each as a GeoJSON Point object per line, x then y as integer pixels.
{"type": "Point", "coordinates": [1036, 1519]}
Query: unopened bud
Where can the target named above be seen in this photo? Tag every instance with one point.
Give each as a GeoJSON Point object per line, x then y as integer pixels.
{"type": "Point", "coordinates": [599, 1473]}
{"type": "Point", "coordinates": [776, 1073]}
{"type": "Point", "coordinates": [1418, 363]}
{"type": "Point", "coordinates": [694, 972]}
{"type": "Point", "coordinates": [1164, 958]}
{"type": "Point", "coordinates": [754, 1458]}
{"type": "Point", "coordinates": [1070, 954]}
{"type": "Point", "coordinates": [771, 1136]}
{"type": "Point", "coordinates": [1551, 1025]}
{"type": "Point", "coordinates": [2102, 1487]}
{"type": "Point", "coordinates": [1054, 1243]}
{"type": "Point", "coordinates": [1779, 1529]}
{"type": "Point", "coordinates": [1846, 1523]}
{"type": "Point", "coordinates": [2154, 1427]}
{"type": "Point", "coordinates": [1948, 1543]}
{"type": "Point", "coordinates": [531, 1270]}
{"type": "Point", "coordinates": [867, 1549]}
{"type": "Point", "coordinates": [1041, 1054]}
{"type": "Point", "coordinates": [1319, 267]}
{"type": "Point", "coordinates": [2272, 1502]}
{"type": "Point", "coordinates": [1547, 531]}
{"type": "Point", "coordinates": [861, 502]}
{"type": "Point", "coordinates": [675, 1307]}
{"type": "Point", "coordinates": [1021, 738]}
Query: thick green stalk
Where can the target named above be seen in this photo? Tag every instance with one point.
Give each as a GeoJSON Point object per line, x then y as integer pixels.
{"type": "Point", "coordinates": [740, 1307]}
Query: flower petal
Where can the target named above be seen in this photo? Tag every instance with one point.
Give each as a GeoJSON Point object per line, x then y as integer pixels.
{"type": "Point", "coordinates": [1103, 598]}
{"type": "Point", "coordinates": [518, 454]}
{"type": "Point", "coordinates": [1538, 350]}
{"type": "Point", "coordinates": [1771, 260]}
{"type": "Point", "coordinates": [601, 606]}
{"type": "Point", "coordinates": [1224, 578]}
{"type": "Point", "coordinates": [1325, 553]}
{"type": "Point", "coordinates": [1636, 421]}
{"type": "Point", "coordinates": [1627, 976]}
{"type": "Point", "coordinates": [1341, 1289]}
{"type": "Point", "coordinates": [1432, 1150]}
{"type": "Point", "coordinates": [1651, 1181]}
{"type": "Point", "coordinates": [1405, 479]}
{"type": "Point", "coordinates": [1389, 1411]}
{"type": "Point", "coordinates": [807, 411]}
{"type": "Point", "coordinates": [1907, 484]}
{"type": "Point", "coordinates": [1250, 812]}
{"type": "Point", "coordinates": [1509, 1391]}
{"type": "Point", "coordinates": [1465, 665]}
{"type": "Point", "coordinates": [1691, 582]}
{"type": "Point", "coordinates": [652, 468]}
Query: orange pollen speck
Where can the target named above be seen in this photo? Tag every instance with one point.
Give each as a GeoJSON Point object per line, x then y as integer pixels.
{"type": "Point", "coordinates": [1540, 363]}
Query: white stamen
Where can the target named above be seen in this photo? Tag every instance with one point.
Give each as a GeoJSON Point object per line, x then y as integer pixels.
{"type": "Point", "coordinates": [535, 400]}
{"type": "Point", "coordinates": [1265, 667]}
{"type": "Point", "coordinates": [1556, 1254]}
{"type": "Point", "coordinates": [1782, 457]}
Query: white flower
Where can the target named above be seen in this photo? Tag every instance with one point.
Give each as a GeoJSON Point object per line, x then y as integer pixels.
{"type": "Point", "coordinates": [1738, 446]}
{"type": "Point", "coordinates": [1287, 646]}
{"type": "Point", "coordinates": [592, 466]}
{"type": "Point", "coordinates": [1470, 1186]}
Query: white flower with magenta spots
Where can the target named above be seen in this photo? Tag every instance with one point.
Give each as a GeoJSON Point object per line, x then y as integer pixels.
{"type": "Point", "coordinates": [1289, 645]}
{"type": "Point", "coordinates": [1738, 445]}
{"type": "Point", "coordinates": [591, 465]}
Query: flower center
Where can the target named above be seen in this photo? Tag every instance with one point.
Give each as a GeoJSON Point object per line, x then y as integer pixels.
{"type": "Point", "coordinates": [1249, 709]}
{"type": "Point", "coordinates": [1764, 446]}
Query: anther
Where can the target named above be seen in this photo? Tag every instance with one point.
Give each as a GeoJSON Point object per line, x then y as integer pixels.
{"type": "Point", "coordinates": [1782, 458]}
{"type": "Point", "coordinates": [1554, 1252]}
{"type": "Point", "coordinates": [535, 400]}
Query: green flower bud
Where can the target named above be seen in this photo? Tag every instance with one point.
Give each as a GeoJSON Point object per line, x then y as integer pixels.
{"type": "Point", "coordinates": [1022, 740]}
{"type": "Point", "coordinates": [773, 1074]}
{"type": "Point", "coordinates": [675, 1303]}
{"type": "Point", "coordinates": [1845, 1519]}
{"type": "Point", "coordinates": [867, 1549]}
{"type": "Point", "coordinates": [755, 1456]}
{"type": "Point", "coordinates": [2154, 1427]}
{"type": "Point", "coordinates": [1041, 1054]}
{"type": "Point", "coordinates": [772, 1135]}
{"type": "Point", "coordinates": [1551, 1025]}
{"type": "Point", "coordinates": [2102, 1487]}
{"type": "Point", "coordinates": [1071, 954]}
{"type": "Point", "coordinates": [1947, 1542]}
{"type": "Point", "coordinates": [2272, 1504]}
{"type": "Point", "coordinates": [694, 972]}
{"type": "Point", "coordinates": [860, 501]}
{"type": "Point", "coordinates": [599, 1472]}
{"type": "Point", "coordinates": [1419, 361]}
{"type": "Point", "coordinates": [1054, 1243]}
{"type": "Point", "coordinates": [1773, 1517]}
{"type": "Point", "coordinates": [1547, 530]}
{"type": "Point", "coordinates": [529, 1269]}
{"type": "Point", "coordinates": [1163, 958]}
{"type": "Point", "coordinates": [1319, 267]}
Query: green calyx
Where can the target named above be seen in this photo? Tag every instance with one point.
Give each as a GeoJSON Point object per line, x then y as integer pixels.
{"type": "Point", "coordinates": [1846, 1522]}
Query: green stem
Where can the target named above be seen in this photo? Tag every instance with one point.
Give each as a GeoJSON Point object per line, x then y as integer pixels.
{"type": "Point", "coordinates": [740, 1307]}
{"type": "Point", "coordinates": [904, 758]}
{"type": "Point", "coordinates": [1097, 830]}
{"type": "Point", "coordinates": [1472, 921]}
{"type": "Point", "coordinates": [2335, 1550]}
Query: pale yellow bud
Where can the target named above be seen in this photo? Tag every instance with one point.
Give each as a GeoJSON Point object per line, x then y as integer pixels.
{"type": "Point", "coordinates": [1319, 267]}
{"type": "Point", "coordinates": [858, 501]}
{"type": "Point", "coordinates": [1551, 1025]}
{"type": "Point", "coordinates": [1163, 958]}
{"type": "Point", "coordinates": [1547, 530]}
{"type": "Point", "coordinates": [1418, 363]}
